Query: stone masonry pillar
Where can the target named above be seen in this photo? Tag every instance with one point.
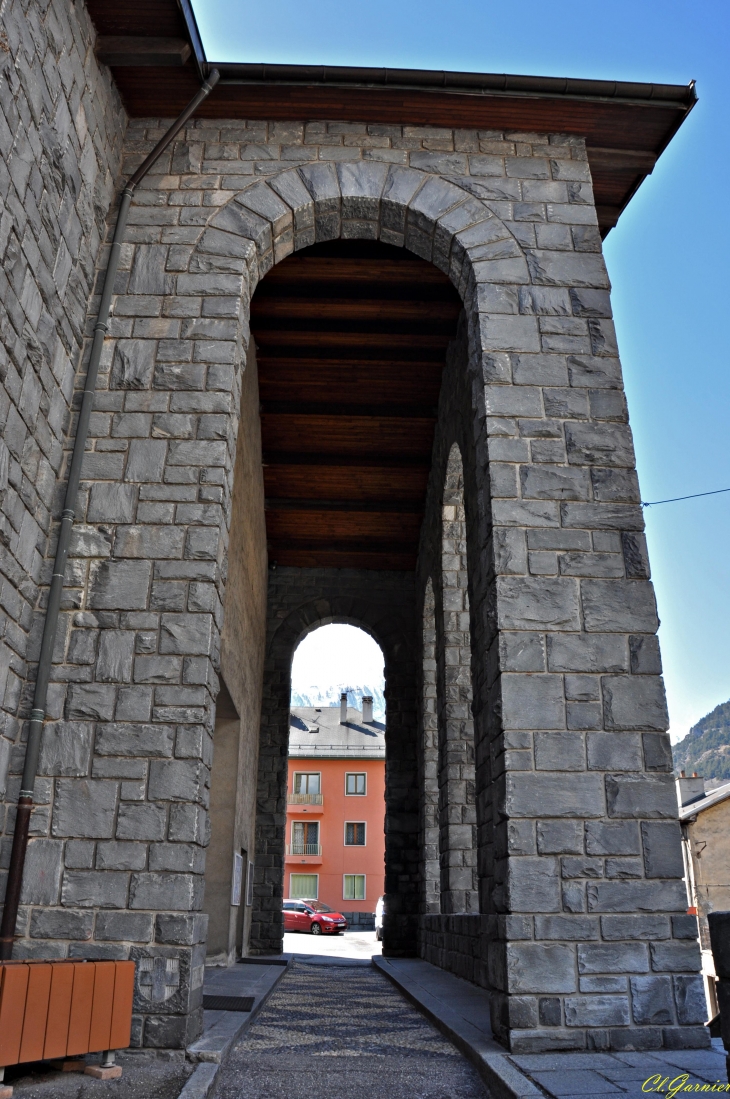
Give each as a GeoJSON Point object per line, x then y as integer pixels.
{"type": "Point", "coordinates": [457, 807]}
{"type": "Point", "coordinates": [590, 944]}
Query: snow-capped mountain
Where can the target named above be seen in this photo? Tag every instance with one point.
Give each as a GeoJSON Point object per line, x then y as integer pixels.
{"type": "Point", "coordinates": [330, 696]}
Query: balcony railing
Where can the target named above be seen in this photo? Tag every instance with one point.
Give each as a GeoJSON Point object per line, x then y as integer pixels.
{"type": "Point", "coordinates": [305, 799]}
{"type": "Point", "coordinates": [304, 849]}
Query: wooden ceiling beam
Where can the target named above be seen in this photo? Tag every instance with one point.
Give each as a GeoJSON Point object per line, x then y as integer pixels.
{"type": "Point", "coordinates": [335, 459]}
{"type": "Point", "coordinates": [379, 506]}
{"type": "Point", "coordinates": [315, 269]}
{"type": "Point", "coordinates": [348, 559]}
{"type": "Point", "coordinates": [363, 483]}
{"type": "Point", "coordinates": [400, 411]}
{"type": "Point", "coordinates": [353, 382]}
{"type": "Point", "coordinates": [345, 545]}
{"type": "Point", "coordinates": [273, 311]}
{"type": "Point", "coordinates": [384, 344]}
{"type": "Point", "coordinates": [359, 436]}
{"type": "Point", "coordinates": [141, 51]}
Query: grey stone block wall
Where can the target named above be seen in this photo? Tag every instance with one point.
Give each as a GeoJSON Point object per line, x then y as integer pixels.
{"type": "Point", "coordinates": [581, 927]}
{"type": "Point", "coordinates": [61, 132]}
{"type": "Point", "coordinates": [360, 921]}
{"type": "Point", "coordinates": [428, 763]}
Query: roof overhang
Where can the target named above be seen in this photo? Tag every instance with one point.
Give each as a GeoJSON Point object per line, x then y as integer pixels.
{"type": "Point", "coordinates": [689, 812]}
{"type": "Point", "coordinates": [626, 125]}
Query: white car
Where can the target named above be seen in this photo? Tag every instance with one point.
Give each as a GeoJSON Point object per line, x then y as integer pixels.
{"type": "Point", "coordinates": [379, 909]}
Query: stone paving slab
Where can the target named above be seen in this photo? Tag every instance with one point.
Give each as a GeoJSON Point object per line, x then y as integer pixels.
{"type": "Point", "coordinates": [632, 1074]}
{"type": "Point", "coordinates": [582, 1082]}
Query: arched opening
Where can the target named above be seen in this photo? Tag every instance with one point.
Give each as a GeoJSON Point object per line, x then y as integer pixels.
{"type": "Point", "coordinates": [351, 340]}
{"type": "Point", "coordinates": [457, 794]}
{"type": "Point", "coordinates": [335, 844]}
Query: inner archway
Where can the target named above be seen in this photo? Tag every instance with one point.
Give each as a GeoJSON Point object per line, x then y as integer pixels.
{"type": "Point", "coordinates": [335, 843]}
{"type": "Point", "coordinates": [351, 339]}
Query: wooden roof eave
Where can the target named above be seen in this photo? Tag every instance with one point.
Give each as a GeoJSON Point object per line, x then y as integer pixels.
{"type": "Point", "coordinates": [627, 125]}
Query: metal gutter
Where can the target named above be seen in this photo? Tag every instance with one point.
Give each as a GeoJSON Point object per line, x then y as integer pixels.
{"type": "Point", "coordinates": [502, 84]}
{"type": "Point", "coordinates": [505, 84]}
{"type": "Point", "coordinates": [196, 42]}
{"type": "Point", "coordinates": [50, 625]}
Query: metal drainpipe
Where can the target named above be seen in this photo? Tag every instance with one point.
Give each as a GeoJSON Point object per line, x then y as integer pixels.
{"type": "Point", "coordinates": [38, 713]}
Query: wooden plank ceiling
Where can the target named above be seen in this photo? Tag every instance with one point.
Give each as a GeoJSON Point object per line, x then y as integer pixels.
{"type": "Point", "coordinates": [351, 339]}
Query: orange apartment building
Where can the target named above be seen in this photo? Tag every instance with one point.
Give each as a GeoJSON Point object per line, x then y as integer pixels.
{"type": "Point", "coordinates": [335, 844]}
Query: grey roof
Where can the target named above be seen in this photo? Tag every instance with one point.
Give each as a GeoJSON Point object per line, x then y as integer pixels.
{"type": "Point", "coordinates": [316, 731]}
{"type": "Point", "coordinates": [692, 808]}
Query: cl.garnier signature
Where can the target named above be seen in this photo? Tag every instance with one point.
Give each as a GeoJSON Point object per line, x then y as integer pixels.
{"type": "Point", "coordinates": [680, 1084]}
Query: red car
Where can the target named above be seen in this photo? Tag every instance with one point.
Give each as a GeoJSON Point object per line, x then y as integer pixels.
{"type": "Point", "coordinates": [313, 916]}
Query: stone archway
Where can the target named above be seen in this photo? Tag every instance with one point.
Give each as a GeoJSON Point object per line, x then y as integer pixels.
{"type": "Point", "coordinates": [569, 712]}
{"type": "Point", "coordinates": [259, 227]}
{"type": "Point", "coordinates": [301, 600]}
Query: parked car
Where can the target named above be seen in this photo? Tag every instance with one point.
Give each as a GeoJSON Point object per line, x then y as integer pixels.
{"type": "Point", "coordinates": [314, 917]}
{"type": "Point", "coordinates": [379, 910]}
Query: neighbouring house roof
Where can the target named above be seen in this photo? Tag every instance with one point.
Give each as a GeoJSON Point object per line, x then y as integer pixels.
{"type": "Point", "coordinates": [317, 733]}
{"type": "Point", "coordinates": [157, 58]}
{"type": "Point", "coordinates": [687, 812]}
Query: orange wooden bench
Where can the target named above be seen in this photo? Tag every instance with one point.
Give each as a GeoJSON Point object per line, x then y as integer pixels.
{"type": "Point", "coordinates": [55, 1009]}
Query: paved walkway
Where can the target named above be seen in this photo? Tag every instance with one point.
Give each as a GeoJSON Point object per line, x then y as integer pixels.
{"type": "Point", "coordinates": [343, 1032]}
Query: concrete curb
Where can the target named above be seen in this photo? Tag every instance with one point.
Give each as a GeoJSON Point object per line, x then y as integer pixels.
{"type": "Point", "coordinates": [504, 1080]}
{"type": "Point", "coordinates": [214, 1045]}
{"type": "Point", "coordinates": [200, 1083]}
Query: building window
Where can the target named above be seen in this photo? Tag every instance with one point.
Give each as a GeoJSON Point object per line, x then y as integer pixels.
{"type": "Point", "coordinates": [354, 887]}
{"type": "Point", "coordinates": [306, 783]}
{"type": "Point", "coordinates": [305, 837]}
{"type": "Point", "coordinates": [355, 834]}
{"type": "Point", "coordinates": [304, 885]}
{"type": "Point", "coordinates": [356, 784]}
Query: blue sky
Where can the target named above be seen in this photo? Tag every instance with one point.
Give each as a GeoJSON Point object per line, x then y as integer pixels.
{"type": "Point", "coordinates": [671, 284]}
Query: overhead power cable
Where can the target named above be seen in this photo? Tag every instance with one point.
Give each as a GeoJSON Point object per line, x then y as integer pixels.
{"type": "Point", "coordinates": [675, 499]}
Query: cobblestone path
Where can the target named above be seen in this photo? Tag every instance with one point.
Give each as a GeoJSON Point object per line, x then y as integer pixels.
{"type": "Point", "coordinates": [344, 1033]}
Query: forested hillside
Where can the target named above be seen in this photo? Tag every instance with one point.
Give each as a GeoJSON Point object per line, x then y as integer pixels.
{"type": "Point", "coordinates": [706, 748]}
